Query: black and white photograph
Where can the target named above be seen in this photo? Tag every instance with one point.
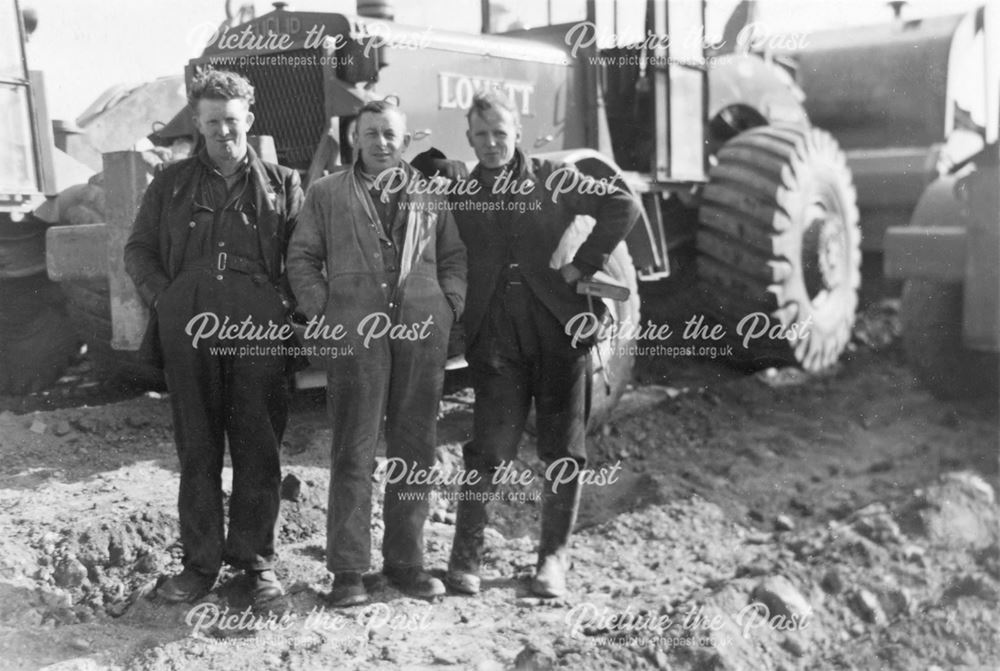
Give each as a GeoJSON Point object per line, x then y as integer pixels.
{"type": "Point", "coordinates": [499, 335]}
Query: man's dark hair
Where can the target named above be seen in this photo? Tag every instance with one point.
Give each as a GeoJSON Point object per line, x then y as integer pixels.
{"type": "Point", "coordinates": [381, 107]}
{"type": "Point", "coordinates": [220, 85]}
{"type": "Point", "coordinates": [492, 100]}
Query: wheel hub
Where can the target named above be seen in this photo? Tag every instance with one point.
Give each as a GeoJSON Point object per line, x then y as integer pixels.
{"type": "Point", "coordinates": [823, 250]}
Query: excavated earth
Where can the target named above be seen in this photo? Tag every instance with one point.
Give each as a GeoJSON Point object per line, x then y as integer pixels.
{"type": "Point", "coordinates": [747, 521]}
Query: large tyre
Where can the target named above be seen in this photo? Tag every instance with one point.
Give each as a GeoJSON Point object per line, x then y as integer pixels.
{"type": "Point", "coordinates": [779, 239]}
{"type": "Point", "coordinates": [931, 315]}
{"type": "Point", "coordinates": [37, 342]}
{"type": "Point", "coordinates": [89, 308]}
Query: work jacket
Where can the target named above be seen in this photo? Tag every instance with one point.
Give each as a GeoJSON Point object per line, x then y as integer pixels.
{"type": "Point", "coordinates": [154, 252]}
{"type": "Point", "coordinates": [527, 230]}
{"type": "Point", "coordinates": [338, 228]}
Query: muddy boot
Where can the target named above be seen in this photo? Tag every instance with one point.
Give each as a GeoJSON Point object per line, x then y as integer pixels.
{"type": "Point", "coordinates": [550, 576]}
{"type": "Point", "coordinates": [186, 587]}
{"type": "Point", "coordinates": [470, 532]}
{"type": "Point", "coordinates": [264, 586]}
{"type": "Point", "coordinates": [348, 590]}
{"type": "Point", "coordinates": [463, 582]}
{"type": "Point", "coordinates": [414, 581]}
{"type": "Point", "coordinates": [467, 547]}
{"type": "Point", "coordinates": [558, 517]}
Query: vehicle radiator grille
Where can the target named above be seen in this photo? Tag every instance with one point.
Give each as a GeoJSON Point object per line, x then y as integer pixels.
{"type": "Point", "coordinates": [289, 106]}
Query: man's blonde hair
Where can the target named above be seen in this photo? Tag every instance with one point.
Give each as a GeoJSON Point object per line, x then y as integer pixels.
{"type": "Point", "coordinates": [492, 100]}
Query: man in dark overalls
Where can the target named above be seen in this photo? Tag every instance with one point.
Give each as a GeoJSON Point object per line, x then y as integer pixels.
{"type": "Point", "coordinates": [518, 306]}
{"type": "Point", "coordinates": [208, 245]}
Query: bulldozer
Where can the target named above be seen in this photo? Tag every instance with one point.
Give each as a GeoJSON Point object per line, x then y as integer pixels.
{"type": "Point", "coordinates": [713, 141]}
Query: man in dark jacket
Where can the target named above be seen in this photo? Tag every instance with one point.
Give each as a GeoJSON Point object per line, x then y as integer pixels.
{"type": "Point", "coordinates": [394, 283]}
{"type": "Point", "coordinates": [520, 299]}
{"type": "Point", "coordinates": [208, 246]}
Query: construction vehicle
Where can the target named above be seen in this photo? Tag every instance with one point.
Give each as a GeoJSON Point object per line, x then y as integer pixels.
{"type": "Point", "coordinates": [949, 254]}
{"type": "Point", "coordinates": [36, 339]}
{"type": "Point", "coordinates": [913, 103]}
{"type": "Point", "coordinates": [725, 141]}
{"type": "Point", "coordinates": [887, 92]}
{"type": "Point", "coordinates": [719, 151]}
{"type": "Point", "coordinates": [52, 179]}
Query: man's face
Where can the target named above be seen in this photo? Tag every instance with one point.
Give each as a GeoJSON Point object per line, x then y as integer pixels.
{"type": "Point", "coordinates": [381, 139]}
{"type": "Point", "coordinates": [224, 123]}
{"type": "Point", "coordinates": [493, 135]}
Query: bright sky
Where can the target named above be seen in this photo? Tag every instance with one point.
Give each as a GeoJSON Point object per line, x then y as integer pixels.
{"type": "Point", "coordinates": [86, 46]}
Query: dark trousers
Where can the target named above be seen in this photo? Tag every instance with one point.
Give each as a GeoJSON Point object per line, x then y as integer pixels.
{"type": "Point", "coordinates": [523, 355]}
{"type": "Point", "coordinates": [214, 398]}
{"type": "Point", "coordinates": [396, 385]}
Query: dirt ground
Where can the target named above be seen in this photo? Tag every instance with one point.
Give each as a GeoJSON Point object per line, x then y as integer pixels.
{"type": "Point", "coordinates": [748, 521]}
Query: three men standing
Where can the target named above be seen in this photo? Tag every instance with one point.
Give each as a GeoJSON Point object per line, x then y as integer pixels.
{"type": "Point", "coordinates": [373, 247]}
{"type": "Point", "coordinates": [210, 237]}
{"type": "Point", "coordinates": [392, 256]}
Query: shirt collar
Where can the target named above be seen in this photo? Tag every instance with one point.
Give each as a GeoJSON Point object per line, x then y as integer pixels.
{"type": "Point", "coordinates": [367, 179]}
{"type": "Point", "coordinates": [210, 164]}
{"type": "Point", "coordinates": [518, 166]}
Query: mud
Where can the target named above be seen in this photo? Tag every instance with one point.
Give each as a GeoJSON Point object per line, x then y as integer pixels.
{"type": "Point", "coordinates": [757, 521]}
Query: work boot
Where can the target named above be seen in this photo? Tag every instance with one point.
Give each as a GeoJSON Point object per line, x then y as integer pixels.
{"type": "Point", "coordinates": [265, 586]}
{"type": "Point", "coordinates": [550, 577]}
{"type": "Point", "coordinates": [414, 581]}
{"type": "Point", "coordinates": [470, 537]}
{"type": "Point", "coordinates": [559, 510]}
{"type": "Point", "coordinates": [348, 590]}
{"type": "Point", "coordinates": [187, 586]}
{"type": "Point", "coordinates": [463, 582]}
{"type": "Point", "coordinates": [470, 527]}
